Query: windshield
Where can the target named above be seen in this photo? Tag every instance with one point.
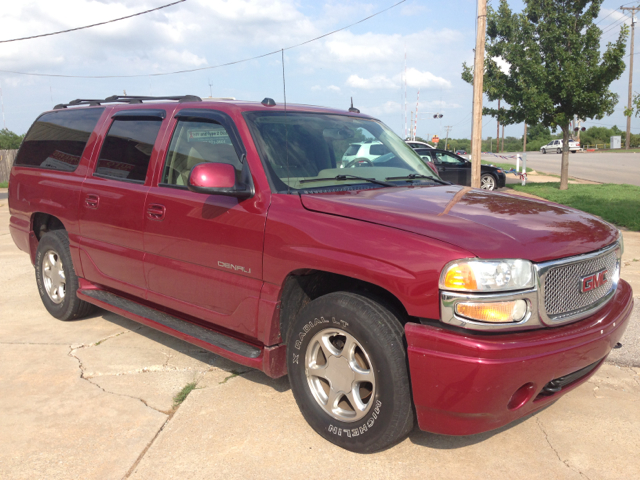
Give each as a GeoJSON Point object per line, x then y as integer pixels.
{"type": "Point", "coordinates": [312, 150]}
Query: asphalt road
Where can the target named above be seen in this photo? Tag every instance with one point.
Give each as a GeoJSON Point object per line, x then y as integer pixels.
{"type": "Point", "coordinates": [597, 167]}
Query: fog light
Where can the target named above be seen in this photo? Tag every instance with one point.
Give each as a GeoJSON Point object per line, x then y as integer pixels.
{"type": "Point", "coordinates": [493, 312]}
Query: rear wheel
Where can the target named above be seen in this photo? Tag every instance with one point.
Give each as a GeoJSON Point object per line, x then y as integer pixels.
{"type": "Point", "coordinates": [559, 150]}
{"type": "Point", "coordinates": [348, 372]}
{"type": "Point", "coordinates": [57, 281]}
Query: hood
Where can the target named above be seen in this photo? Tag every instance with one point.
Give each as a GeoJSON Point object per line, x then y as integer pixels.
{"type": "Point", "coordinates": [490, 225]}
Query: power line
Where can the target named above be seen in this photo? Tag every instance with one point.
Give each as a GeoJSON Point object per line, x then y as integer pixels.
{"type": "Point", "coordinates": [212, 67]}
{"type": "Point", "coordinates": [93, 25]}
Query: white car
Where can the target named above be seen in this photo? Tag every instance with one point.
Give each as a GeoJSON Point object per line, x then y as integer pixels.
{"type": "Point", "coordinates": [556, 146]}
{"type": "Point", "coordinates": [365, 151]}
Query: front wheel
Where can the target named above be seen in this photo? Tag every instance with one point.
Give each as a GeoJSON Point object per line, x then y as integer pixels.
{"type": "Point", "coordinates": [57, 281]}
{"type": "Point", "coordinates": [487, 182]}
{"type": "Point", "coordinates": [348, 372]}
{"type": "Point", "coordinates": [544, 151]}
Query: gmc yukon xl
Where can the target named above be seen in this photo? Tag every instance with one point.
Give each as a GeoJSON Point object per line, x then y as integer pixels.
{"type": "Point", "coordinates": [388, 295]}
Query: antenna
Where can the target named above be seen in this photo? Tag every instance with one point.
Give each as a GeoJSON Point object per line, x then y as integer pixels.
{"type": "Point", "coordinates": [286, 124]}
{"type": "Point", "coordinates": [405, 91]}
{"type": "Point", "coordinates": [210, 91]}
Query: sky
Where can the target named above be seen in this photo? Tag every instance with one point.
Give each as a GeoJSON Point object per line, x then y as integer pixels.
{"type": "Point", "coordinates": [365, 62]}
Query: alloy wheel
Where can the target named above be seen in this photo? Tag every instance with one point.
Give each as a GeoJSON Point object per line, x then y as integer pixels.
{"type": "Point", "coordinates": [53, 275]}
{"type": "Point", "coordinates": [340, 375]}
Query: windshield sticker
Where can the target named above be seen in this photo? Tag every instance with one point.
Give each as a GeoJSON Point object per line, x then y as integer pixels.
{"type": "Point", "coordinates": [210, 136]}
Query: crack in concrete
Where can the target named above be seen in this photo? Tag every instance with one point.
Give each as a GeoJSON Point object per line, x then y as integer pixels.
{"type": "Point", "coordinates": [233, 375]}
{"type": "Point", "coordinates": [149, 445]}
{"type": "Point", "coordinates": [564, 462]}
{"type": "Point", "coordinates": [73, 349]}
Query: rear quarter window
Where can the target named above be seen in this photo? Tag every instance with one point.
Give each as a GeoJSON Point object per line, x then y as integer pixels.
{"type": "Point", "coordinates": [57, 139]}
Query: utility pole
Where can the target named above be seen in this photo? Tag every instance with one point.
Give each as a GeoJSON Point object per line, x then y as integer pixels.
{"type": "Point", "coordinates": [478, 79]}
{"type": "Point", "coordinates": [498, 130]}
{"type": "Point", "coordinates": [447, 139]}
{"type": "Point", "coordinates": [502, 146]}
{"type": "Point", "coordinates": [524, 143]}
{"type": "Point", "coordinates": [633, 11]}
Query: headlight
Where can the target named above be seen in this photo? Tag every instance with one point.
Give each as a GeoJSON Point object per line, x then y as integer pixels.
{"type": "Point", "coordinates": [621, 241]}
{"type": "Point", "coordinates": [473, 275]}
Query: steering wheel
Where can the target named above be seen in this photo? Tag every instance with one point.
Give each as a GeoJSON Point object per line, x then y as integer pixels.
{"type": "Point", "coordinates": [359, 162]}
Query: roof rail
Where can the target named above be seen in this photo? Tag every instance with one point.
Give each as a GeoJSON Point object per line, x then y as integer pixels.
{"type": "Point", "coordinates": [125, 99]}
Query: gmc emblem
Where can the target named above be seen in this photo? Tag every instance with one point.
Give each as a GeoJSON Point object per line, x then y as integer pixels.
{"type": "Point", "coordinates": [593, 281]}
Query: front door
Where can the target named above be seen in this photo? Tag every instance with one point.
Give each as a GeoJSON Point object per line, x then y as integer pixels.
{"type": "Point", "coordinates": [113, 201]}
{"type": "Point", "coordinates": [452, 168]}
{"type": "Point", "coordinates": [204, 252]}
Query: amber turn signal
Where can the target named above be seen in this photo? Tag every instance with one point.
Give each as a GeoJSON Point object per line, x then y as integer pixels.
{"type": "Point", "coordinates": [493, 312]}
{"type": "Point", "coordinates": [460, 277]}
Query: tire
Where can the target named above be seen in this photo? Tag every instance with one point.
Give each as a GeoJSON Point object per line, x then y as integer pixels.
{"type": "Point", "coordinates": [379, 411]}
{"type": "Point", "coordinates": [544, 151]}
{"type": "Point", "coordinates": [488, 182]}
{"type": "Point", "coordinates": [559, 150]}
{"type": "Point", "coordinates": [56, 279]}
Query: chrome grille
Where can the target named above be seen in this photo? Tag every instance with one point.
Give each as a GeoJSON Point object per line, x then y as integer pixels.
{"type": "Point", "coordinates": [562, 295]}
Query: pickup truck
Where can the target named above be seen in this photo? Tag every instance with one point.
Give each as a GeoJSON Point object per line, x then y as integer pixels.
{"type": "Point", "coordinates": [556, 146]}
{"type": "Point", "coordinates": [387, 295]}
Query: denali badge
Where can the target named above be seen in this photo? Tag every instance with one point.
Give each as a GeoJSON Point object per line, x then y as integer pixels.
{"type": "Point", "coordinates": [231, 266]}
{"type": "Point", "coordinates": [593, 281]}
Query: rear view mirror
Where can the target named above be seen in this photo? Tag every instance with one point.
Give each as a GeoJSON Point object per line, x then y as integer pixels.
{"type": "Point", "coordinates": [217, 179]}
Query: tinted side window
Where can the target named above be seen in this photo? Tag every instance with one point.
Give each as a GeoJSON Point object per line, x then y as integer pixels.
{"type": "Point", "coordinates": [195, 142]}
{"type": "Point", "coordinates": [127, 149]}
{"type": "Point", "coordinates": [378, 150]}
{"type": "Point", "coordinates": [57, 139]}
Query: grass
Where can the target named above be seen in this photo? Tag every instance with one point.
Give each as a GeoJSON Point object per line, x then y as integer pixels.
{"type": "Point", "coordinates": [4, 184]}
{"type": "Point", "coordinates": [617, 204]}
{"type": "Point", "coordinates": [182, 395]}
{"type": "Point", "coordinates": [504, 166]}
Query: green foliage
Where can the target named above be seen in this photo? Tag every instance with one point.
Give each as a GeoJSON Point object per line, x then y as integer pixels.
{"type": "Point", "coordinates": [4, 184]}
{"type": "Point", "coordinates": [538, 132]}
{"type": "Point", "coordinates": [600, 135]}
{"type": "Point", "coordinates": [555, 69]}
{"type": "Point", "coordinates": [182, 395]}
{"type": "Point", "coordinates": [10, 140]}
{"type": "Point", "coordinates": [618, 204]}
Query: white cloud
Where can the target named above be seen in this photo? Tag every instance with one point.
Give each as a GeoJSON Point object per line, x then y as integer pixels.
{"type": "Point", "coordinates": [330, 88]}
{"type": "Point", "coordinates": [333, 88]}
{"type": "Point", "coordinates": [418, 79]}
{"type": "Point", "coordinates": [375, 82]}
{"type": "Point", "coordinates": [415, 79]}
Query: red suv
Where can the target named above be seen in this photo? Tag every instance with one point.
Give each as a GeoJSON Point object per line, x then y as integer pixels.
{"type": "Point", "coordinates": [386, 294]}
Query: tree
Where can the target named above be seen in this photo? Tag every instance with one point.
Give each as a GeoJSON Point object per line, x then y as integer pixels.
{"type": "Point", "coordinates": [9, 140]}
{"type": "Point", "coordinates": [554, 66]}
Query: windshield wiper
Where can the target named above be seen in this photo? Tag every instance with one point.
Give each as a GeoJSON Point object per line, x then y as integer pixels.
{"type": "Point", "coordinates": [348, 177]}
{"type": "Point", "coordinates": [413, 176]}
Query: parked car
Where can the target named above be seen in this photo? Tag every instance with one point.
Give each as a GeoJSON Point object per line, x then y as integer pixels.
{"type": "Point", "coordinates": [456, 169]}
{"type": "Point", "coordinates": [415, 144]}
{"type": "Point", "coordinates": [386, 294]}
{"type": "Point", "coordinates": [461, 152]}
{"type": "Point", "coordinates": [556, 146]}
{"type": "Point", "coordinates": [365, 150]}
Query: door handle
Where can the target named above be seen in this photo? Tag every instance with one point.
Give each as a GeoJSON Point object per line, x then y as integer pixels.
{"type": "Point", "coordinates": [92, 201]}
{"type": "Point", "coordinates": [156, 212]}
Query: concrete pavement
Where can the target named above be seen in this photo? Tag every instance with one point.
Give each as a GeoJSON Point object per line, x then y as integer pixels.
{"type": "Point", "coordinates": [93, 399]}
{"type": "Point", "coordinates": [602, 167]}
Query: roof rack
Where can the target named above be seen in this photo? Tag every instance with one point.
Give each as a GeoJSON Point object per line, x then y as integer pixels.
{"type": "Point", "coordinates": [125, 99]}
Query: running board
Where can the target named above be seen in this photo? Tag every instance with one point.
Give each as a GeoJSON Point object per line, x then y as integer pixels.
{"type": "Point", "coordinates": [190, 332]}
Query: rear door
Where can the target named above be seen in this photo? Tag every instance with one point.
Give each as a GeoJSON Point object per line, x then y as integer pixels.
{"type": "Point", "coordinates": [204, 252]}
{"type": "Point", "coordinates": [113, 201]}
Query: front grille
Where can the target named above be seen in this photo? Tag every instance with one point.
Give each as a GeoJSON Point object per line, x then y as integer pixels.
{"type": "Point", "coordinates": [562, 295]}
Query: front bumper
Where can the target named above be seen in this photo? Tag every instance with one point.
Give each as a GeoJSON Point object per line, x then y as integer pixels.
{"type": "Point", "coordinates": [465, 383]}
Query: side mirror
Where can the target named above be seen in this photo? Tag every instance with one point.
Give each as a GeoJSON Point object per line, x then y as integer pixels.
{"type": "Point", "coordinates": [217, 179]}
